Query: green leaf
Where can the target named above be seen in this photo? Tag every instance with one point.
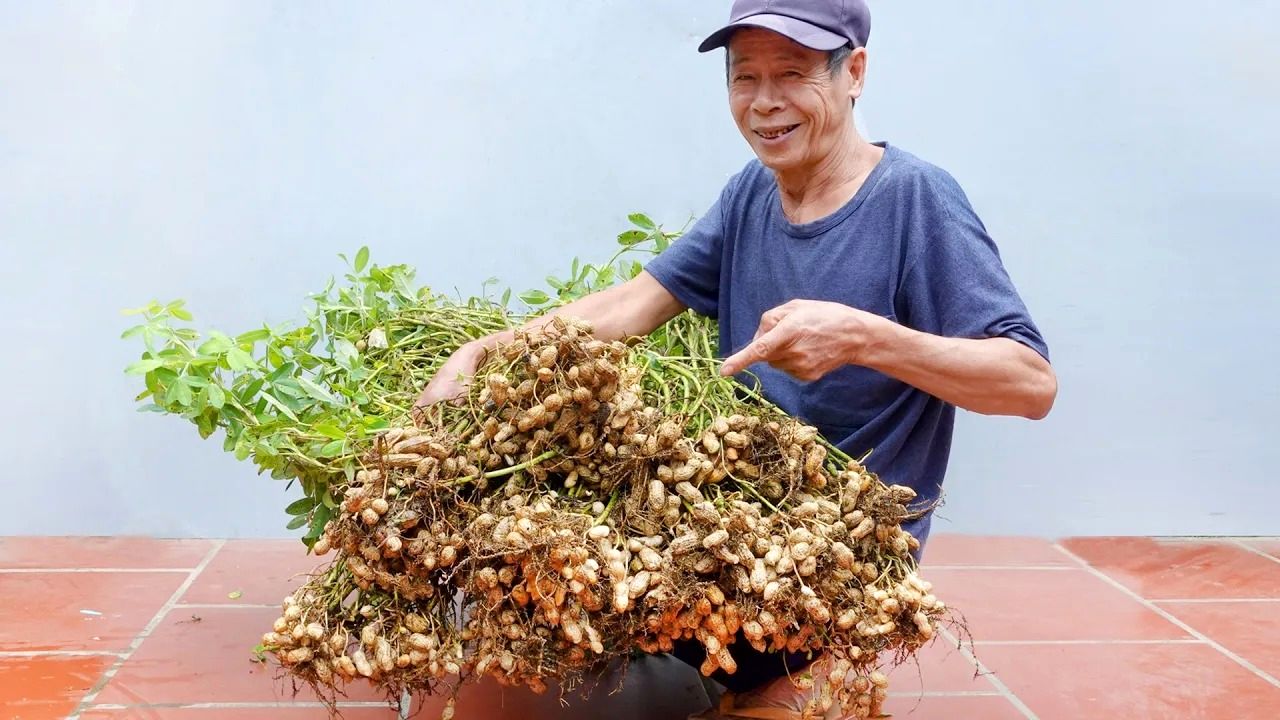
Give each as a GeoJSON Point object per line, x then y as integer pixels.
{"type": "Point", "coordinates": [534, 297]}
{"type": "Point", "coordinates": [216, 397]}
{"type": "Point", "coordinates": [362, 258]}
{"type": "Point", "coordinates": [319, 520]}
{"type": "Point", "coordinates": [301, 506]}
{"type": "Point", "coordinates": [373, 422]}
{"type": "Point", "coordinates": [234, 594]}
{"type": "Point", "coordinates": [142, 367]}
{"type": "Point", "coordinates": [632, 237]}
{"type": "Point", "coordinates": [253, 336]}
{"type": "Point", "coordinates": [326, 498]}
{"type": "Point", "coordinates": [179, 393]}
{"type": "Point", "coordinates": [151, 407]}
{"type": "Point", "coordinates": [333, 449]}
{"type": "Point", "coordinates": [248, 394]}
{"type": "Point", "coordinates": [506, 297]}
{"type": "Point", "coordinates": [288, 386]}
{"type": "Point", "coordinates": [181, 314]}
{"type": "Point", "coordinates": [279, 405]}
{"type": "Point", "coordinates": [317, 392]}
{"type": "Point", "coordinates": [214, 346]}
{"type": "Point", "coordinates": [331, 431]}
{"type": "Point", "coordinates": [133, 332]}
{"type": "Point", "coordinates": [297, 522]}
{"type": "Point", "coordinates": [555, 282]}
{"type": "Point", "coordinates": [345, 353]}
{"type": "Point", "coordinates": [146, 309]}
{"type": "Point", "coordinates": [240, 360]}
{"type": "Point", "coordinates": [642, 220]}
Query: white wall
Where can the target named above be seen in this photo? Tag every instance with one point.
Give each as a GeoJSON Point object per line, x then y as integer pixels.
{"type": "Point", "coordinates": [1125, 155]}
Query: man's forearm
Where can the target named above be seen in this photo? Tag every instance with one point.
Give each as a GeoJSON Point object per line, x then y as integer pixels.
{"type": "Point", "coordinates": [616, 313]}
{"type": "Point", "coordinates": [995, 376]}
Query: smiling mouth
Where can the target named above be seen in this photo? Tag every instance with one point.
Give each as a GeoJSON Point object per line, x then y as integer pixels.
{"type": "Point", "coordinates": [776, 133]}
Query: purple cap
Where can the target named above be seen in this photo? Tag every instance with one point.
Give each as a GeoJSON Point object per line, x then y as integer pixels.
{"type": "Point", "coordinates": [817, 24]}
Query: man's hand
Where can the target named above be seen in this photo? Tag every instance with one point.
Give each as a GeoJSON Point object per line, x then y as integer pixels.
{"type": "Point", "coordinates": [993, 376]}
{"type": "Point", "coordinates": [808, 339]}
{"type": "Point", "coordinates": [451, 381]}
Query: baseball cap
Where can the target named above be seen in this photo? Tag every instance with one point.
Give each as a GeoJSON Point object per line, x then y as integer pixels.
{"type": "Point", "coordinates": [817, 24]}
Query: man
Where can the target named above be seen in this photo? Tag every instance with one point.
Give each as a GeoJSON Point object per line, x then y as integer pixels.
{"type": "Point", "coordinates": [852, 278]}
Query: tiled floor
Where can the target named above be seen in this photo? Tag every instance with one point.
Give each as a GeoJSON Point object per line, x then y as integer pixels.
{"type": "Point", "coordinates": [1134, 628]}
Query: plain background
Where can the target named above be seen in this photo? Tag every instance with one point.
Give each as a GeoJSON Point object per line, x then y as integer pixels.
{"type": "Point", "coordinates": [1124, 156]}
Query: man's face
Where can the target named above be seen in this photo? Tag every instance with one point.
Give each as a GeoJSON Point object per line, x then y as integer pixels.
{"type": "Point", "coordinates": [791, 109]}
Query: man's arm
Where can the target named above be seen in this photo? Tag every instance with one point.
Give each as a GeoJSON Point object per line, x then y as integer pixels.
{"type": "Point", "coordinates": [993, 376]}
{"type": "Point", "coordinates": [636, 307]}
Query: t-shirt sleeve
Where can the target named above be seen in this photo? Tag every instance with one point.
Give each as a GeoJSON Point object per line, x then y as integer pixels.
{"type": "Point", "coordinates": [690, 268]}
{"type": "Point", "coordinates": [955, 285]}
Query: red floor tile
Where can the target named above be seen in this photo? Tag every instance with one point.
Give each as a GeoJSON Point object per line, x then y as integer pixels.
{"type": "Point", "coordinates": [961, 707]}
{"type": "Point", "coordinates": [36, 688]}
{"type": "Point", "coordinates": [940, 667]}
{"type": "Point", "coordinates": [1163, 570]}
{"type": "Point", "coordinates": [1270, 547]}
{"type": "Point", "coordinates": [990, 550]}
{"type": "Point", "coordinates": [242, 713]}
{"type": "Point", "coordinates": [1134, 682]}
{"type": "Point", "coordinates": [1250, 630]}
{"type": "Point", "coordinates": [262, 571]}
{"type": "Point", "coordinates": [209, 660]}
{"type": "Point", "coordinates": [1046, 605]}
{"type": "Point", "coordinates": [42, 611]}
{"type": "Point", "coordinates": [101, 552]}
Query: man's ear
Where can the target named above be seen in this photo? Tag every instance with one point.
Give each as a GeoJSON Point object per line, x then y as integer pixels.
{"type": "Point", "coordinates": [857, 68]}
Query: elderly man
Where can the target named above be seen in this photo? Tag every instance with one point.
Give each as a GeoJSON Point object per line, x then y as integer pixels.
{"type": "Point", "coordinates": [852, 278]}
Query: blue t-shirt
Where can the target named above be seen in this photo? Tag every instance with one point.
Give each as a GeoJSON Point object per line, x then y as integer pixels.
{"type": "Point", "coordinates": [908, 246]}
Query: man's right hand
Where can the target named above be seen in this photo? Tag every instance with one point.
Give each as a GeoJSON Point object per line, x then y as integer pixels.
{"type": "Point", "coordinates": [451, 380]}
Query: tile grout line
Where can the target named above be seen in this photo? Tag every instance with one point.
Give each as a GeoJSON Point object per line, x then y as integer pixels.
{"type": "Point", "coordinates": [98, 687]}
{"type": "Point", "coordinates": [995, 681]}
{"type": "Point", "coordinates": [1150, 605]}
{"type": "Point", "coordinates": [1256, 551]}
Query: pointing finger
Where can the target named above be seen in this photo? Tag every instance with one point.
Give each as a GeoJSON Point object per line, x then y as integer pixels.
{"type": "Point", "coordinates": [759, 350]}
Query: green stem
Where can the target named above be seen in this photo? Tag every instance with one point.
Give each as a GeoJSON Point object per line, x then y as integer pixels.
{"type": "Point", "coordinates": [508, 470]}
{"type": "Point", "coordinates": [613, 499]}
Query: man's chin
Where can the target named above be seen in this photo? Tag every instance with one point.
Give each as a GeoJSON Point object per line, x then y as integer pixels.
{"type": "Point", "coordinates": [777, 162]}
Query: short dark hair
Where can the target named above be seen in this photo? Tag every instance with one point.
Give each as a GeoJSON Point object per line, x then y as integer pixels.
{"type": "Point", "coordinates": [836, 58]}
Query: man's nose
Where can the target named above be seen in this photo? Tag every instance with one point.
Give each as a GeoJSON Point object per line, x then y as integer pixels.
{"type": "Point", "coordinates": [767, 98]}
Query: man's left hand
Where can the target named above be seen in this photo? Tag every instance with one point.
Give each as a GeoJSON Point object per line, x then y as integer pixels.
{"type": "Point", "coordinates": [808, 339]}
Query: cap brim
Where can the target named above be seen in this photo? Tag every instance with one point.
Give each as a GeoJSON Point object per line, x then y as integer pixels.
{"type": "Point", "coordinates": [807, 34]}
